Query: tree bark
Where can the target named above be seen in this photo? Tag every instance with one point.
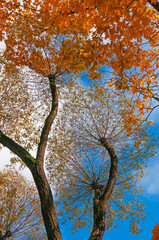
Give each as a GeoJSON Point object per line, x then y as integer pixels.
{"type": "Point", "coordinates": [49, 120]}
{"type": "Point", "coordinates": [98, 217]}
{"type": "Point", "coordinates": [102, 195]}
{"type": "Point", "coordinates": [47, 203]}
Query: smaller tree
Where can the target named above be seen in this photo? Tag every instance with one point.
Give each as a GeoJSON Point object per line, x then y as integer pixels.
{"type": "Point", "coordinates": [98, 152]}
{"type": "Point", "coordinates": [20, 214]}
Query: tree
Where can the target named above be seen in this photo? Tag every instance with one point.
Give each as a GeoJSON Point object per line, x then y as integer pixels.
{"type": "Point", "coordinates": [36, 167]}
{"type": "Point", "coordinates": [98, 164]}
{"type": "Point", "coordinates": [55, 38]}
{"type": "Point", "coordinates": [20, 205]}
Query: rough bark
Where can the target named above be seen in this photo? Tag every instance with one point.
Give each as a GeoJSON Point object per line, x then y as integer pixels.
{"type": "Point", "coordinates": [112, 173]}
{"type": "Point", "coordinates": [102, 195]}
{"type": "Point", "coordinates": [98, 216]}
{"type": "Point", "coordinates": [36, 166]}
{"type": "Point", "coordinates": [49, 120]}
{"type": "Point", "coordinates": [47, 203]}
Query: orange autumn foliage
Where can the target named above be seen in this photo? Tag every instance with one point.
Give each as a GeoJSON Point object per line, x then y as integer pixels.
{"type": "Point", "coordinates": [57, 37]}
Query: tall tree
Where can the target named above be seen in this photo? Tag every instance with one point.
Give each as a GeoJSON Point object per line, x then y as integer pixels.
{"type": "Point", "coordinates": [36, 167]}
{"type": "Point", "coordinates": [19, 209]}
{"type": "Point", "coordinates": [54, 38]}
{"type": "Point", "coordinates": [97, 163]}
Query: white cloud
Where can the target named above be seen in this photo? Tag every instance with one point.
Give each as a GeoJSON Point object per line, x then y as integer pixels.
{"type": "Point", "coordinates": [151, 182]}
{"type": "Point", "coordinates": [2, 46]}
{"type": "Point", "coordinates": [4, 157]}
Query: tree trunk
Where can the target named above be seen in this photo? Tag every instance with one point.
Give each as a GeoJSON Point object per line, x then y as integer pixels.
{"type": "Point", "coordinates": [102, 194]}
{"type": "Point", "coordinates": [47, 203]}
{"type": "Point", "coordinates": [98, 218]}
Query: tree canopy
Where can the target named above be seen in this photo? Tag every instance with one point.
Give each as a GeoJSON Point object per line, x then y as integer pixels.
{"type": "Point", "coordinates": [56, 37]}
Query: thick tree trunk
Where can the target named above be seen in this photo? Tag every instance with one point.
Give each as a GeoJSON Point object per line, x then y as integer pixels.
{"type": "Point", "coordinates": [102, 194]}
{"type": "Point", "coordinates": [98, 218]}
{"type": "Point", "coordinates": [47, 204]}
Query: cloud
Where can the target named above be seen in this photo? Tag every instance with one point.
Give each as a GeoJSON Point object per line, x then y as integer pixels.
{"type": "Point", "coordinates": [150, 183]}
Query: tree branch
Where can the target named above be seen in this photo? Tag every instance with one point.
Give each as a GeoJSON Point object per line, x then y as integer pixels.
{"type": "Point", "coordinates": [24, 155]}
{"type": "Point", "coordinates": [113, 171]}
{"type": "Point", "coordinates": [49, 120]}
{"type": "Point", "coordinates": [156, 98]}
{"type": "Point", "coordinates": [154, 5]}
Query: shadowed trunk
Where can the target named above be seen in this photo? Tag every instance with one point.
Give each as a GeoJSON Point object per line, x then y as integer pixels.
{"type": "Point", "coordinates": [47, 203]}
{"type": "Point", "coordinates": [102, 195]}
{"type": "Point", "coordinates": [98, 216]}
